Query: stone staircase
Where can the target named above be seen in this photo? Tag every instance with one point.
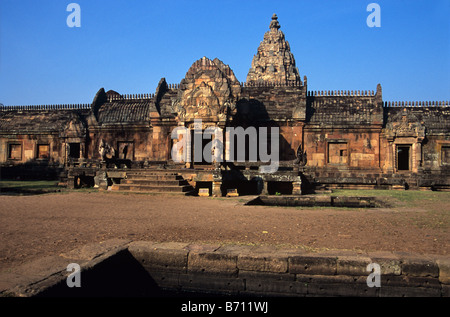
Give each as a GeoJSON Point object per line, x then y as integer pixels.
{"type": "Point", "coordinates": [154, 181]}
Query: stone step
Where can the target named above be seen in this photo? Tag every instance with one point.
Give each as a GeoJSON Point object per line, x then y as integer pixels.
{"type": "Point", "coordinates": [116, 187]}
{"type": "Point", "coordinates": [154, 177]}
{"type": "Point", "coordinates": [157, 182]}
{"type": "Point", "coordinates": [154, 189]}
{"type": "Point", "coordinates": [152, 173]}
{"type": "Point", "coordinates": [153, 181]}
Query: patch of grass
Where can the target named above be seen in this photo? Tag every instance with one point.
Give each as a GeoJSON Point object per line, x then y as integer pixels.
{"type": "Point", "coordinates": [435, 205]}
{"type": "Point", "coordinates": [29, 185]}
{"type": "Point", "coordinates": [410, 197]}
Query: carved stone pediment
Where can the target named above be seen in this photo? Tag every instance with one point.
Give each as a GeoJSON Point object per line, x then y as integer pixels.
{"type": "Point", "coordinates": [74, 129]}
{"type": "Point", "coordinates": [405, 124]}
{"type": "Point", "coordinates": [201, 102]}
{"type": "Point", "coordinates": [208, 92]}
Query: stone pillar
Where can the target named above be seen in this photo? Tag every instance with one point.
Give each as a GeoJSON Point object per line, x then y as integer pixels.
{"type": "Point", "coordinates": [297, 187]}
{"type": "Point", "coordinates": [265, 190]}
{"type": "Point", "coordinates": [416, 156]}
{"type": "Point", "coordinates": [216, 191]}
{"type": "Point", "coordinates": [391, 155]}
{"type": "Point", "coordinates": [413, 158]}
{"type": "Point", "coordinates": [70, 181]}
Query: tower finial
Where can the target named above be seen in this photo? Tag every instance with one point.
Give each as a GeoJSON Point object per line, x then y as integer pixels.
{"type": "Point", "coordinates": [274, 23]}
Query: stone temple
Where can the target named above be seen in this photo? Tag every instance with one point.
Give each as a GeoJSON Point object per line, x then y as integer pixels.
{"type": "Point", "coordinates": [326, 139]}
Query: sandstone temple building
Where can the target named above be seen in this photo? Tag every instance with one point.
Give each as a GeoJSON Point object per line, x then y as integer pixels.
{"type": "Point", "coordinates": [327, 139]}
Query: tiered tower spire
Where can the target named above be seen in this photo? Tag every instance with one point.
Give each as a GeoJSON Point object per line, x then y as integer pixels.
{"type": "Point", "coordinates": [274, 61]}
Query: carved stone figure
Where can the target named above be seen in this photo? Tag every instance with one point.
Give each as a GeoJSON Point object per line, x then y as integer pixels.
{"type": "Point", "coordinates": [301, 156]}
{"type": "Point", "coordinates": [105, 150]}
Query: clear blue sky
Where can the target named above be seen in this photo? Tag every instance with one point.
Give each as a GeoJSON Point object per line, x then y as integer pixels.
{"type": "Point", "coordinates": [128, 45]}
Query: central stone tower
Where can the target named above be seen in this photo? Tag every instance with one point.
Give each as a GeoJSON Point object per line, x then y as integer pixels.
{"type": "Point", "coordinates": [274, 61]}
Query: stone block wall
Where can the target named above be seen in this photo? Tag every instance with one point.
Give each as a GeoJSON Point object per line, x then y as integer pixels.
{"type": "Point", "coordinates": [266, 271]}
{"type": "Point", "coordinates": [342, 147]}
{"type": "Point", "coordinates": [272, 102]}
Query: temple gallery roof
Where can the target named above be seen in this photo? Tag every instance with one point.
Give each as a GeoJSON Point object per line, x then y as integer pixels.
{"type": "Point", "coordinates": [36, 121]}
{"type": "Point", "coordinates": [125, 111]}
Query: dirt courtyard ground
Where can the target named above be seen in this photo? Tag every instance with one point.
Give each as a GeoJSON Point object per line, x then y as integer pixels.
{"type": "Point", "coordinates": [35, 226]}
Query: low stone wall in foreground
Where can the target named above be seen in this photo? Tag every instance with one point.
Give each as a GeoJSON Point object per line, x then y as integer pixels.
{"type": "Point", "coordinates": [141, 268]}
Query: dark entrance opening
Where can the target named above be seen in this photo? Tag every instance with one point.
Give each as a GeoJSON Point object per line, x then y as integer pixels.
{"type": "Point", "coordinates": [74, 150]}
{"type": "Point", "coordinates": [244, 187]}
{"type": "Point", "coordinates": [403, 157]}
{"type": "Point", "coordinates": [200, 148]}
{"type": "Point", "coordinates": [280, 188]}
{"type": "Point", "coordinates": [203, 185]}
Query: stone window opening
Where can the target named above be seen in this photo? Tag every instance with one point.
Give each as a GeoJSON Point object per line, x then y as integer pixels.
{"type": "Point", "coordinates": [338, 153]}
{"type": "Point", "coordinates": [15, 151]}
{"type": "Point", "coordinates": [445, 155]}
{"type": "Point", "coordinates": [74, 150]}
{"type": "Point", "coordinates": [125, 150]}
{"type": "Point", "coordinates": [43, 151]}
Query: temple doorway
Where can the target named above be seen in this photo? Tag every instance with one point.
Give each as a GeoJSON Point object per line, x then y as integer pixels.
{"type": "Point", "coordinates": [403, 157]}
{"type": "Point", "coordinates": [198, 146]}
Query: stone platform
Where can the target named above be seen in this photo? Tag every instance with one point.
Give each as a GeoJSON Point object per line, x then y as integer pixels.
{"type": "Point", "coordinates": [122, 268]}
